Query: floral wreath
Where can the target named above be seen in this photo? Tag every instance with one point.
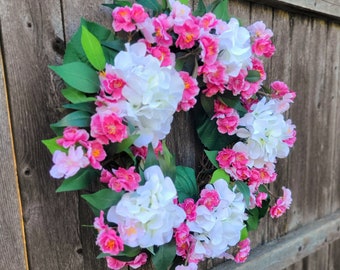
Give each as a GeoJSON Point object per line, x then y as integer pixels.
{"type": "Point", "coordinates": [123, 88]}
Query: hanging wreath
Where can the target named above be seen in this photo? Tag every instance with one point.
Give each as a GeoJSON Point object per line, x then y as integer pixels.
{"type": "Point", "coordinates": [124, 87]}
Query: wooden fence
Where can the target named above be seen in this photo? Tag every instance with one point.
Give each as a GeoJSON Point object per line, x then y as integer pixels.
{"type": "Point", "coordinates": [40, 229]}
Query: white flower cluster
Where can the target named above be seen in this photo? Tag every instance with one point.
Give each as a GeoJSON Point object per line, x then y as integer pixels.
{"type": "Point", "coordinates": [235, 48]}
{"type": "Point", "coordinates": [217, 230]}
{"type": "Point", "coordinates": [264, 131]}
{"type": "Point", "coordinates": [152, 93]}
{"type": "Point", "coordinates": [147, 216]}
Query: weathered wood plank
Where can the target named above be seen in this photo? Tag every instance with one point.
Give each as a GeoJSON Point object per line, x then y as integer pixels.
{"type": "Point", "coordinates": [325, 8]}
{"type": "Point", "coordinates": [12, 237]}
{"type": "Point", "coordinates": [292, 247]}
{"type": "Point", "coordinates": [30, 43]}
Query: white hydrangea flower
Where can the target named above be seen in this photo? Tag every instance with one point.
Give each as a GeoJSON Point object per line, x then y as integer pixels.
{"type": "Point", "coordinates": [264, 130]}
{"type": "Point", "coordinates": [152, 93]}
{"type": "Point", "coordinates": [147, 216]}
{"type": "Point", "coordinates": [235, 48]}
{"type": "Point", "coordinates": [219, 229]}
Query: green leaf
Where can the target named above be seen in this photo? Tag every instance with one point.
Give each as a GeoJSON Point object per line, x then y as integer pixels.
{"type": "Point", "coordinates": [164, 256]}
{"type": "Point", "coordinates": [167, 162]}
{"type": "Point", "coordinates": [76, 96]}
{"type": "Point", "coordinates": [184, 2]}
{"type": "Point", "coordinates": [221, 10]}
{"type": "Point", "coordinates": [118, 3]}
{"type": "Point", "coordinates": [79, 181]}
{"type": "Point", "coordinates": [179, 64]}
{"type": "Point", "coordinates": [234, 103]}
{"type": "Point", "coordinates": [220, 174]}
{"type": "Point", "coordinates": [75, 119]}
{"type": "Point", "coordinates": [52, 145]}
{"type": "Point", "coordinates": [130, 251]}
{"type": "Point", "coordinates": [125, 144]}
{"type": "Point", "coordinates": [212, 157]}
{"type": "Point", "coordinates": [103, 255]}
{"type": "Point", "coordinates": [209, 135]}
{"type": "Point", "coordinates": [185, 183]}
{"type": "Point", "coordinates": [92, 49]}
{"type": "Point", "coordinates": [201, 9]}
{"type": "Point", "coordinates": [84, 106]}
{"type": "Point", "coordinates": [151, 158]}
{"type": "Point", "coordinates": [244, 189]}
{"type": "Point", "coordinates": [74, 50]}
{"type": "Point", "coordinates": [244, 234]}
{"type": "Point", "coordinates": [208, 105]}
{"type": "Point", "coordinates": [151, 4]}
{"type": "Point", "coordinates": [78, 75]}
{"type": "Point", "coordinates": [253, 76]}
{"type": "Point", "coordinates": [117, 45]}
{"type": "Point", "coordinates": [102, 199]}
{"type": "Point", "coordinates": [253, 219]}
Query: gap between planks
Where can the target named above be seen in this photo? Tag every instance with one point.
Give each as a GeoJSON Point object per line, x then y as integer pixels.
{"type": "Point", "coordinates": [291, 248]}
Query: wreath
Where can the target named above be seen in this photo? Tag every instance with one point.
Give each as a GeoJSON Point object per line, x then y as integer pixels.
{"type": "Point", "coordinates": [124, 87]}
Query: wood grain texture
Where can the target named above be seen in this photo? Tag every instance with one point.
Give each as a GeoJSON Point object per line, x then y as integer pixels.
{"type": "Point", "coordinates": [29, 44]}
{"type": "Point", "coordinates": [12, 238]}
{"type": "Point", "coordinates": [294, 246]}
{"type": "Point", "coordinates": [323, 8]}
{"type": "Point", "coordinates": [307, 59]}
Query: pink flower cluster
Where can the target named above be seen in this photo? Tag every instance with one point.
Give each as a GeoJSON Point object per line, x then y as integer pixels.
{"type": "Point", "coordinates": [282, 204]}
{"type": "Point", "coordinates": [120, 179]}
{"type": "Point", "coordinates": [240, 86]}
{"type": "Point", "coordinates": [234, 163]}
{"type": "Point", "coordinates": [227, 118]}
{"type": "Point", "coordinates": [243, 252]}
{"type": "Point", "coordinates": [262, 44]}
{"type": "Point", "coordinates": [110, 243]}
{"type": "Point", "coordinates": [76, 141]}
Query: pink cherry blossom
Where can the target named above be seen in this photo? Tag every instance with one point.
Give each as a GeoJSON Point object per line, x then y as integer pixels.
{"type": "Point", "coordinates": [163, 54]}
{"type": "Point", "coordinates": [105, 176]}
{"type": "Point", "coordinates": [234, 163]}
{"type": "Point", "coordinates": [263, 46]}
{"type": "Point", "coordinates": [139, 260]}
{"type": "Point", "coordinates": [139, 151]}
{"type": "Point", "coordinates": [191, 90]}
{"type": "Point", "coordinates": [183, 240]}
{"type": "Point", "coordinates": [179, 12]}
{"type": "Point", "coordinates": [158, 149]}
{"type": "Point", "coordinates": [227, 118]}
{"type": "Point", "coordinates": [128, 179]}
{"type": "Point", "coordinates": [279, 89]}
{"type": "Point", "coordinates": [122, 19]}
{"type": "Point", "coordinates": [162, 25]}
{"type": "Point", "coordinates": [67, 165]}
{"type": "Point", "coordinates": [189, 206]}
{"type": "Point", "coordinates": [71, 136]}
{"type": "Point", "coordinates": [138, 14]}
{"type": "Point", "coordinates": [111, 83]}
{"type": "Point", "coordinates": [109, 242]}
{"type": "Point", "coordinates": [99, 223]}
{"type": "Point", "coordinates": [244, 249]}
{"type": "Point", "coordinates": [188, 33]}
{"type": "Point", "coordinates": [108, 127]}
{"type": "Point", "coordinates": [95, 154]}
{"type": "Point", "coordinates": [282, 204]}
{"type": "Point", "coordinates": [114, 264]}
{"type": "Point", "coordinates": [261, 196]}
{"type": "Point", "coordinates": [259, 30]}
{"type": "Point", "coordinates": [209, 198]}
{"type": "Point", "coordinates": [208, 21]}
{"type": "Point", "coordinates": [209, 45]}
